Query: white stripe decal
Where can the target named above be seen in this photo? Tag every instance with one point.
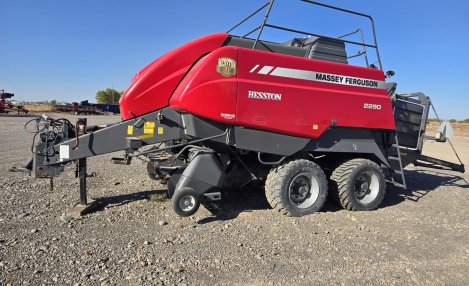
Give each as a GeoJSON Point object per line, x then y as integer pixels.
{"type": "Point", "coordinates": [265, 70]}
{"type": "Point", "coordinates": [254, 68]}
{"type": "Point", "coordinates": [324, 77]}
{"type": "Point", "coordinates": [292, 73]}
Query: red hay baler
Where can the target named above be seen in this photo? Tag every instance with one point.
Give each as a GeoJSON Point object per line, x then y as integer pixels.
{"type": "Point", "coordinates": [224, 111]}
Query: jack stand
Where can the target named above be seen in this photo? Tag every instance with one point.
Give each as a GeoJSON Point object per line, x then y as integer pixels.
{"type": "Point", "coordinates": [85, 205]}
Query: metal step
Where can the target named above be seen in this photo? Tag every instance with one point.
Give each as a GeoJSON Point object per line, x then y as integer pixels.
{"type": "Point", "coordinates": [399, 171]}
{"type": "Point", "coordinates": [396, 184]}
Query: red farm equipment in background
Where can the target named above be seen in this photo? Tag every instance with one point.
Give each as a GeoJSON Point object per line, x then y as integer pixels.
{"type": "Point", "coordinates": [7, 107]}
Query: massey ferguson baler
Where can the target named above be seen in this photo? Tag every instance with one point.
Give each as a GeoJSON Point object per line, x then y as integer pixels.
{"type": "Point", "coordinates": [225, 111]}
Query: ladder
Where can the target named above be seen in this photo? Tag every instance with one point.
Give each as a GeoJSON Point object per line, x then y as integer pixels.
{"type": "Point", "coordinates": [396, 171]}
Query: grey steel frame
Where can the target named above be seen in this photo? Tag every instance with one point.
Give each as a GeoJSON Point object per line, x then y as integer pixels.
{"type": "Point", "coordinates": [419, 145]}
{"type": "Point", "coordinates": [269, 6]}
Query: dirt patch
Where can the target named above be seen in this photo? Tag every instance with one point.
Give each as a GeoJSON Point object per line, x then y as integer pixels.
{"type": "Point", "coordinates": [38, 108]}
{"type": "Point", "coordinates": [418, 236]}
{"type": "Point", "coordinates": [460, 129]}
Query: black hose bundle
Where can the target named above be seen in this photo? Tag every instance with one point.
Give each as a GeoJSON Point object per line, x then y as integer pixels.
{"type": "Point", "coordinates": [49, 127]}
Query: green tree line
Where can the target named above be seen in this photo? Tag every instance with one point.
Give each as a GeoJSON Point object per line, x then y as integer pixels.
{"type": "Point", "coordinates": [451, 120]}
{"type": "Point", "coordinates": [108, 96]}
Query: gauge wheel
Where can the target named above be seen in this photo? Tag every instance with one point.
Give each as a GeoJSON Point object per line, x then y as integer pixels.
{"type": "Point", "coordinates": [185, 202]}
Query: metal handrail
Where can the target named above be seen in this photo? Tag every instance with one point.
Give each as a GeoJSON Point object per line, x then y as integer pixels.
{"type": "Point", "coordinates": [318, 35]}
{"type": "Point", "coordinates": [250, 32]}
{"type": "Point", "coordinates": [358, 14]}
{"type": "Point", "coordinates": [248, 17]}
{"type": "Point", "coordinates": [363, 52]}
{"type": "Point", "coordinates": [349, 34]}
{"type": "Point", "coordinates": [265, 24]}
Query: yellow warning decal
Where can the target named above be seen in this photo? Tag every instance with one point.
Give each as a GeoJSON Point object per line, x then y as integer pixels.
{"type": "Point", "coordinates": [315, 127]}
{"type": "Point", "coordinates": [403, 154]}
{"type": "Point", "coordinates": [130, 130]}
{"type": "Point", "coordinates": [160, 130]}
{"type": "Point", "coordinates": [145, 136]}
{"type": "Point", "coordinates": [149, 128]}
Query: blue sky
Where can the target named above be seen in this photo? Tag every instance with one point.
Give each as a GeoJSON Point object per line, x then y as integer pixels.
{"type": "Point", "coordinates": [67, 50]}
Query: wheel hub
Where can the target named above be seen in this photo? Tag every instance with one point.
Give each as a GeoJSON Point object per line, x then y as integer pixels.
{"type": "Point", "coordinates": [299, 189]}
{"type": "Point", "coordinates": [366, 187]}
{"type": "Point", "coordinates": [361, 187]}
{"type": "Point", "coordinates": [303, 190]}
{"type": "Point", "coordinates": [186, 203]}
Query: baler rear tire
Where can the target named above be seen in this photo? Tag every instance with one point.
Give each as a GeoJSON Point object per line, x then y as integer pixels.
{"type": "Point", "coordinates": [296, 188]}
{"type": "Point", "coordinates": [358, 185]}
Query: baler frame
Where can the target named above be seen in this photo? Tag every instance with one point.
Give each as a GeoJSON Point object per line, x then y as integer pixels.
{"type": "Point", "coordinates": [210, 155]}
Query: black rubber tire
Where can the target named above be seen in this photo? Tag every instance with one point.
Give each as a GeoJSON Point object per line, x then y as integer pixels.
{"type": "Point", "coordinates": [278, 183]}
{"type": "Point", "coordinates": [342, 185]}
{"type": "Point", "coordinates": [157, 175]}
{"type": "Point", "coordinates": [151, 172]}
{"type": "Point", "coordinates": [181, 195]}
{"type": "Point", "coordinates": [172, 184]}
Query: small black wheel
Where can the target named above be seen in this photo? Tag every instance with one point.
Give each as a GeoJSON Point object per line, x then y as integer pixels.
{"type": "Point", "coordinates": [185, 202]}
{"type": "Point", "coordinates": [358, 185]}
{"type": "Point", "coordinates": [152, 173]}
{"type": "Point", "coordinates": [155, 173]}
{"type": "Point", "coordinates": [153, 176]}
{"type": "Point", "coordinates": [172, 184]}
{"type": "Point", "coordinates": [296, 188]}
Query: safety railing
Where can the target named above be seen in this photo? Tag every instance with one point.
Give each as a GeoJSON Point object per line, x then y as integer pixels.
{"type": "Point", "coordinates": [268, 6]}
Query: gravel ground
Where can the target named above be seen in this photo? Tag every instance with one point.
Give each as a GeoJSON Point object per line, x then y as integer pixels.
{"type": "Point", "coordinates": [418, 237]}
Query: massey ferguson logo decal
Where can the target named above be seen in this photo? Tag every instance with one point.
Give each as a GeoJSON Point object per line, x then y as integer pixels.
{"type": "Point", "coordinates": [264, 95]}
{"type": "Point", "coordinates": [226, 67]}
{"type": "Point", "coordinates": [346, 80]}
